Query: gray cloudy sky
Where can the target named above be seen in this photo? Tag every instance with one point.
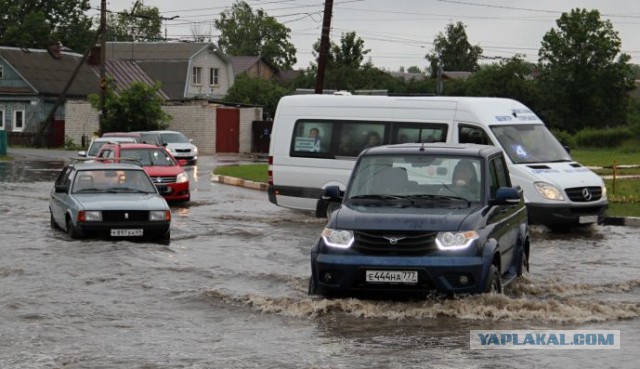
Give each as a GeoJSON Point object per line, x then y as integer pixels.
{"type": "Point", "coordinates": [401, 32]}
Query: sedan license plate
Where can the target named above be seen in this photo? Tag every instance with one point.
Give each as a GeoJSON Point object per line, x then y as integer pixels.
{"type": "Point", "coordinates": [392, 276]}
{"type": "Point", "coordinates": [126, 232]}
{"type": "Point", "coordinates": [588, 219]}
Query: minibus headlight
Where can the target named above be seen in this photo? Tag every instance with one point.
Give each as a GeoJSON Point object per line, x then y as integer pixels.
{"type": "Point", "coordinates": [455, 240]}
{"type": "Point", "coordinates": [549, 191]}
{"type": "Point", "coordinates": [339, 238]}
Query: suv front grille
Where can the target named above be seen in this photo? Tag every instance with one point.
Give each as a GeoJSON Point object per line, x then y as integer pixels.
{"type": "Point", "coordinates": [584, 194]}
{"type": "Point", "coordinates": [394, 243]}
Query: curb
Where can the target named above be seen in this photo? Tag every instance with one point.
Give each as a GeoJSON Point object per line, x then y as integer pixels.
{"type": "Point", "coordinates": [239, 182]}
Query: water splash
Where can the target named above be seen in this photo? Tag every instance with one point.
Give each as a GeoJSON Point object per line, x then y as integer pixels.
{"type": "Point", "coordinates": [527, 302]}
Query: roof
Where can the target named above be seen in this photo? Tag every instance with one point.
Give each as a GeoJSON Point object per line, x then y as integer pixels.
{"type": "Point", "coordinates": [48, 75]}
{"type": "Point", "coordinates": [409, 76]}
{"type": "Point", "coordinates": [158, 51]}
{"type": "Point", "coordinates": [92, 164]}
{"type": "Point", "coordinates": [242, 64]}
{"type": "Point", "coordinates": [456, 75]}
{"type": "Point", "coordinates": [126, 72]}
{"type": "Point", "coordinates": [437, 148]}
{"type": "Point", "coordinates": [172, 74]}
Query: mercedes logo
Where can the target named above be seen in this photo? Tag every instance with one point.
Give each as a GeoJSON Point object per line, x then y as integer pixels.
{"type": "Point", "coordinates": [586, 194]}
{"type": "Point", "coordinates": [393, 240]}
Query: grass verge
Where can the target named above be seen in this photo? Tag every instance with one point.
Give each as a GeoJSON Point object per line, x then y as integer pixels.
{"type": "Point", "coordinates": [624, 199]}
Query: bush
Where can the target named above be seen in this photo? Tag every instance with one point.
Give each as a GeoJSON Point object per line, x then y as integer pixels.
{"type": "Point", "coordinates": [609, 137]}
{"type": "Point", "coordinates": [565, 138]}
{"type": "Point", "coordinates": [70, 145]}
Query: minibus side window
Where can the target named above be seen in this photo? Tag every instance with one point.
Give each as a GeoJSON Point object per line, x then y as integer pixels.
{"type": "Point", "coordinates": [312, 137]}
{"type": "Point", "coordinates": [471, 134]}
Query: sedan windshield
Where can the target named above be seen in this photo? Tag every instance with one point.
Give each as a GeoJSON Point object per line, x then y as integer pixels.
{"type": "Point", "coordinates": [530, 143]}
{"type": "Point", "coordinates": [174, 138]}
{"type": "Point", "coordinates": [112, 180]}
{"type": "Point", "coordinates": [416, 178]}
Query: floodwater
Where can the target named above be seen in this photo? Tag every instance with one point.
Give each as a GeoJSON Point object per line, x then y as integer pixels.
{"type": "Point", "coordinates": [230, 292]}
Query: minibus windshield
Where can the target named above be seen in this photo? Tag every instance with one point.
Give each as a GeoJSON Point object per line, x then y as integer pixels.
{"type": "Point", "coordinates": [530, 143]}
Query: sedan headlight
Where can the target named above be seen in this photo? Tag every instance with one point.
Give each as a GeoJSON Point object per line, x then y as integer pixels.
{"type": "Point", "coordinates": [195, 150]}
{"type": "Point", "coordinates": [182, 177]}
{"type": "Point", "coordinates": [159, 215]}
{"type": "Point", "coordinates": [89, 216]}
{"type": "Point", "coordinates": [455, 240]}
{"type": "Point", "coordinates": [338, 238]}
{"type": "Point", "coordinates": [549, 191]}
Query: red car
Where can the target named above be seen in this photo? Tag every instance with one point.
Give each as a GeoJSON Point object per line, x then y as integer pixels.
{"type": "Point", "coordinates": [159, 164]}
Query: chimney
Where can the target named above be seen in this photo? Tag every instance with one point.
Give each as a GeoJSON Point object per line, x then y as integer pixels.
{"type": "Point", "coordinates": [54, 49]}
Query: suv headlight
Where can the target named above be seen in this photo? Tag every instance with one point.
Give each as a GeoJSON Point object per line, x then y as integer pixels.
{"type": "Point", "coordinates": [337, 238]}
{"type": "Point", "coordinates": [182, 177]}
{"type": "Point", "coordinates": [549, 191]}
{"type": "Point", "coordinates": [455, 240]}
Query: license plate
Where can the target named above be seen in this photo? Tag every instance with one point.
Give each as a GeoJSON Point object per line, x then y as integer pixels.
{"type": "Point", "coordinates": [126, 232]}
{"type": "Point", "coordinates": [391, 276]}
{"type": "Point", "coordinates": [585, 219]}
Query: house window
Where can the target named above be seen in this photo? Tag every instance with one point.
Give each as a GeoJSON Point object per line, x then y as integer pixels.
{"type": "Point", "coordinates": [18, 120]}
{"type": "Point", "coordinates": [214, 76]}
{"type": "Point", "coordinates": [1, 119]}
{"type": "Point", "coordinates": [197, 75]}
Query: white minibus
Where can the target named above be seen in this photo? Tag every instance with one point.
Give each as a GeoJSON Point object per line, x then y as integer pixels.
{"type": "Point", "coordinates": [316, 138]}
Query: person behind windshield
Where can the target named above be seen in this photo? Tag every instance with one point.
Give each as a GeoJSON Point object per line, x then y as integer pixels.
{"type": "Point", "coordinates": [465, 181]}
{"type": "Point", "coordinates": [373, 139]}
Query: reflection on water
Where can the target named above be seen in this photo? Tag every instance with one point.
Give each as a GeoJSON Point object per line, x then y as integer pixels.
{"type": "Point", "coordinates": [29, 171]}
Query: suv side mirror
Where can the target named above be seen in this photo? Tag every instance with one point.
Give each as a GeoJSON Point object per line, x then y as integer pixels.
{"type": "Point", "coordinates": [507, 196]}
{"type": "Point", "coordinates": [332, 193]}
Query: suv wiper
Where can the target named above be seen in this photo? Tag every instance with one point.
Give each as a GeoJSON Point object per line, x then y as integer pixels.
{"type": "Point", "coordinates": [377, 197]}
{"type": "Point", "coordinates": [440, 197]}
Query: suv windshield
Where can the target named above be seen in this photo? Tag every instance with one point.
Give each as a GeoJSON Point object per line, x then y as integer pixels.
{"type": "Point", "coordinates": [416, 177]}
{"type": "Point", "coordinates": [530, 143]}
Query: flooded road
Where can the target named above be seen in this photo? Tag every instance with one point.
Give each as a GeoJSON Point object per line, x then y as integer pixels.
{"type": "Point", "coordinates": [230, 292]}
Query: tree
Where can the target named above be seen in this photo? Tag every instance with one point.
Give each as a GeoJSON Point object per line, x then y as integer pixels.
{"type": "Point", "coordinates": [137, 108]}
{"type": "Point", "coordinates": [141, 23]}
{"type": "Point", "coordinates": [37, 24]}
{"type": "Point", "coordinates": [245, 33]}
{"type": "Point", "coordinates": [584, 75]}
{"type": "Point", "coordinates": [453, 51]}
{"type": "Point", "coordinates": [256, 91]}
{"type": "Point", "coordinates": [510, 78]}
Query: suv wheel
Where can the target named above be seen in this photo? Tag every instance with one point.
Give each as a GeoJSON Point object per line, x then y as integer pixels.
{"type": "Point", "coordinates": [494, 283]}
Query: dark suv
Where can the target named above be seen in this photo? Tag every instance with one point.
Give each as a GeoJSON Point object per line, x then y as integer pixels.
{"type": "Point", "coordinates": [418, 218]}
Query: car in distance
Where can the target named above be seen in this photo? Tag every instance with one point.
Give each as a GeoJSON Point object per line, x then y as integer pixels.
{"type": "Point", "coordinates": [136, 136]}
{"type": "Point", "coordinates": [97, 143]}
{"type": "Point", "coordinates": [179, 145]}
{"type": "Point", "coordinates": [423, 218]}
{"type": "Point", "coordinates": [94, 199]}
{"type": "Point", "coordinates": [164, 170]}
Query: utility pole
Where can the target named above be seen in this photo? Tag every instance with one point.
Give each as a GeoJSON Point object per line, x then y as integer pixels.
{"type": "Point", "coordinates": [324, 45]}
{"type": "Point", "coordinates": [103, 57]}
